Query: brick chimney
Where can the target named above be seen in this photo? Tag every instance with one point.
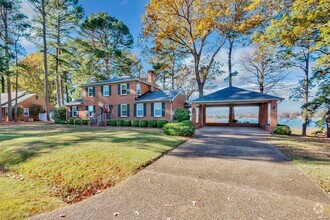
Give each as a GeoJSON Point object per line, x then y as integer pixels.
{"type": "Point", "coordinates": [151, 79]}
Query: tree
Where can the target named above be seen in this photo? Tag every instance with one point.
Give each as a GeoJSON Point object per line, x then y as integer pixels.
{"type": "Point", "coordinates": [41, 8]}
{"type": "Point", "coordinates": [263, 68]}
{"type": "Point", "coordinates": [105, 38]}
{"type": "Point", "coordinates": [62, 20]}
{"type": "Point", "coordinates": [192, 26]}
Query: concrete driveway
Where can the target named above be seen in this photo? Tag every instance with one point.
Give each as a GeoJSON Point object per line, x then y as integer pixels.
{"type": "Point", "coordinates": [223, 173]}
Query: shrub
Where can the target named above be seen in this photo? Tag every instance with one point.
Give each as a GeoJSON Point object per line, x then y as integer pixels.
{"type": "Point", "coordinates": [135, 123]}
{"type": "Point", "coordinates": [119, 122]}
{"type": "Point", "coordinates": [185, 128]}
{"type": "Point", "coordinates": [127, 123]}
{"type": "Point", "coordinates": [70, 121]}
{"type": "Point", "coordinates": [57, 120]}
{"type": "Point", "coordinates": [143, 123]}
{"type": "Point", "coordinates": [63, 122]}
{"type": "Point", "coordinates": [152, 123]}
{"type": "Point", "coordinates": [112, 123]}
{"type": "Point", "coordinates": [235, 121]}
{"type": "Point", "coordinates": [77, 122]}
{"type": "Point", "coordinates": [161, 123]}
{"type": "Point", "coordinates": [282, 130]}
{"type": "Point", "coordinates": [319, 133]}
{"type": "Point", "coordinates": [20, 110]}
{"type": "Point", "coordinates": [181, 114]}
{"type": "Point", "coordinates": [84, 122]}
{"type": "Point", "coordinates": [57, 113]}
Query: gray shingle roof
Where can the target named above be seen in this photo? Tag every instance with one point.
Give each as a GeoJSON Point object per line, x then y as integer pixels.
{"type": "Point", "coordinates": [21, 96]}
{"type": "Point", "coordinates": [114, 80]}
{"type": "Point", "coordinates": [234, 94]}
{"type": "Point", "coordinates": [156, 96]}
{"type": "Point", "coordinates": [76, 102]}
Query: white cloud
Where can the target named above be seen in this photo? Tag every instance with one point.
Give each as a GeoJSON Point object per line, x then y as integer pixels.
{"type": "Point", "coordinates": [27, 9]}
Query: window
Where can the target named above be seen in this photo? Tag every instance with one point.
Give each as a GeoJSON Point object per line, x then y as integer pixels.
{"type": "Point", "coordinates": [90, 111]}
{"type": "Point", "coordinates": [158, 110]}
{"type": "Point", "coordinates": [90, 92]}
{"type": "Point", "coordinates": [74, 111]}
{"type": "Point", "coordinates": [138, 89]}
{"type": "Point", "coordinates": [106, 90]}
{"type": "Point", "coordinates": [26, 112]}
{"type": "Point", "coordinates": [6, 111]}
{"type": "Point", "coordinates": [124, 110]}
{"type": "Point", "coordinates": [36, 97]}
{"type": "Point", "coordinates": [123, 89]}
{"type": "Point", "coordinates": [139, 110]}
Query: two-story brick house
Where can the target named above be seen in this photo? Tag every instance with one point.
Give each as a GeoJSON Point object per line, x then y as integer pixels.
{"type": "Point", "coordinates": [126, 98]}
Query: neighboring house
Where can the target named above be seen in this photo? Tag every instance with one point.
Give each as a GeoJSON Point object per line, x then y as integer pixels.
{"type": "Point", "coordinates": [126, 98]}
{"type": "Point", "coordinates": [25, 100]}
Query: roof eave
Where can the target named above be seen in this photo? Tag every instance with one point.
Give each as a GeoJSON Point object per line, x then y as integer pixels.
{"type": "Point", "coordinates": [238, 101]}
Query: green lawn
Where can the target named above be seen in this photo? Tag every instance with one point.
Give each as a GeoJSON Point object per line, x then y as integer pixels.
{"type": "Point", "coordinates": [310, 154]}
{"type": "Point", "coordinates": [48, 165]}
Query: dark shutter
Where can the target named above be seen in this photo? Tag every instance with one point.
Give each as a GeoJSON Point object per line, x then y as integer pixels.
{"type": "Point", "coordinates": [152, 110]}
{"type": "Point", "coordinates": [163, 109]}
{"type": "Point", "coordinates": [145, 109]}
{"type": "Point", "coordinates": [118, 89]}
{"type": "Point", "coordinates": [128, 110]}
{"type": "Point", "coordinates": [93, 91]}
{"type": "Point", "coordinates": [87, 111]}
{"type": "Point", "coordinates": [86, 108]}
{"type": "Point", "coordinates": [135, 110]}
{"type": "Point", "coordinates": [86, 91]}
{"type": "Point", "coordinates": [94, 109]}
{"type": "Point", "coordinates": [119, 110]}
{"type": "Point", "coordinates": [109, 90]}
{"type": "Point", "coordinates": [101, 90]}
{"type": "Point", "coordinates": [128, 90]}
{"type": "Point", "coordinates": [71, 114]}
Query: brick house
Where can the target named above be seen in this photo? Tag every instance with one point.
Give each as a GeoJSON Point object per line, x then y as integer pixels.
{"type": "Point", "coordinates": [126, 98]}
{"type": "Point", "coordinates": [25, 100]}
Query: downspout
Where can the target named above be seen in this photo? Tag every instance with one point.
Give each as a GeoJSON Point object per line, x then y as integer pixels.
{"type": "Point", "coordinates": [171, 110]}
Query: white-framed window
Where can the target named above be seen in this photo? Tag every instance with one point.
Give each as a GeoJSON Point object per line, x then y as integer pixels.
{"type": "Point", "coordinates": [26, 112]}
{"type": "Point", "coordinates": [106, 90]}
{"type": "Point", "coordinates": [6, 111]}
{"type": "Point", "coordinates": [158, 110]}
{"type": "Point", "coordinates": [138, 89]}
{"type": "Point", "coordinates": [75, 111]}
{"type": "Point", "coordinates": [90, 92]}
{"type": "Point", "coordinates": [123, 89]}
{"type": "Point", "coordinates": [139, 110]}
{"type": "Point", "coordinates": [123, 110]}
{"type": "Point", "coordinates": [90, 111]}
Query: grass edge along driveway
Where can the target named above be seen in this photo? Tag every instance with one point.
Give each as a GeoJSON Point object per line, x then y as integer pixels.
{"type": "Point", "coordinates": [46, 165]}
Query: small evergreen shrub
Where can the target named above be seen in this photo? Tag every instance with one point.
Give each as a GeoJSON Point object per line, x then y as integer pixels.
{"type": "Point", "coordinates": [77, 122]}
{"type": "Point", "coordinates": [161, 123]}
{"type": "Point", "coordinates": [71, 121]}
{"type": "Point", "coordinates": [143, 123]}
{"type": "Point", "coordinates": [282, 130]}
{"type": "Point", "coordinates": [57, 113]}
{"type": "Point", "coordinates": [135, 123]}
{"type": "Point", "coordinates": [60, 113]}
{"type": "Point", "coordinates": [119, 122]}
{"type": "Point", "coordinates": [127, 123]}
{"type": "Point", "coordinates": [63, 122]}
{"type": "Point", "coordinates": [152, 123]}
{"type": "Point", "coordinates": [181, 114]}
{"type": "Point", "coordinates": [84, 122]}
{"type": "Point", "coordinates": [20, 110]}
{"type": "Point", "coordinates": [57, 120]}
{"type": "Point", "coordinates": [112, 123]}
{"type": "Point", "coordinates": [186, 129]}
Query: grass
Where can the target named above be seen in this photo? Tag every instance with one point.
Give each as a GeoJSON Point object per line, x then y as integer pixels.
{"type": "Point", "coordinates": [46, 166]}
{"type": "Point", "coordinates": [310, 154]}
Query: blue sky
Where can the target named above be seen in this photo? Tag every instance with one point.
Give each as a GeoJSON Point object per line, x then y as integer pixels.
{"type": "Point", "coordinates": [130, 12]}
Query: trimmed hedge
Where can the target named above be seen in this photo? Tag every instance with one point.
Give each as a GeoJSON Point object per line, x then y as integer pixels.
{"type": "Point", "coordinates": [57, 120]}
{"type": "Point", "coordinates": [127, 123]}
{"type": "Point", "coordinates": [63, 122]}
{"type": "Point", "coordinates": [181, 114]}
{"type": "Point", "coordinates": [152, 123]}
{"type": "Point", "coordinates": [119, 122]}
{"type": "Point", "coordinates": [77, 122]}
{"type": "Point", "coordinates": [161, 123]}
{"type": "Point", "coordinates": [186, 129]}
{"type": "Point", "coordinates": [135, 123]}
{"type": "Point", "coordinates": [84, 122]}
{"type": "Point", "coordinates": [143, 123]}
{"type": "Point", "coordinates": [70, 121]}
{"type": "Point", "coordinates": [112, 123]}
{"type": "Point", "coordinates": [282, 130]}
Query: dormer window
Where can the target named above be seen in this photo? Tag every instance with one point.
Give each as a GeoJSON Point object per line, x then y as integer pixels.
{"type": "Point", "coordinates": [123, 89]}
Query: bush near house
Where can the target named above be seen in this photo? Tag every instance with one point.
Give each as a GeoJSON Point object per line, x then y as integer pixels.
{"type": "Point", "coordinates": [119, 122]}
{"type": "Point", "coordinates": [77, 122]}
{"type": "Point", "coordinates": [282, 130]}
{"type": "Point", "coordinates": [135, 123]}
{"type": "Point", "coordinates": [161, 123]}
{"type": "Point", "coordinates": [57, 113]}
{"type": "Point", "coordinates": [35, 109]}
{"type": "Point", "coordinates": [152, 123]}
{"type": "Point", "coordinates": [71, 121]}
{"type": "Point", "coordinates": [20, 110]}
{"type": "Point", "coordinates": [112, 123]}
{"type": "Point", "coordinates": [84, 122]}
{"type": "Point", "coordinates": [63, 122]}
{"type": "Point", "coordinates": [184, 128]}
{"type": "Point", "coordinates": [127, 123]}
{"type": "Point", "coordinates": [57, 120]}
{"type": "Point", "coordinates": [143, 123]}
{"type": "Point", "coordinates": [181, 114]}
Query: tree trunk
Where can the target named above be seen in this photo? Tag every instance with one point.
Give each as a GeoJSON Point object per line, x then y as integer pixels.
{"type": "Point", "coordinates": [328, 123]}
{"type": "Point", "coordinates": [16, 81]}
{"type": "Point", "coordinates": [45, 59]}
{"type": "Point", "coordinates": [107, 67]}
{"type": "Point", "coordinates": [173, 70]}
{"type": "Point", "coordinates": [0, 108]}
{"type": "Point", "coordinates": [230, 77]}
{"type": "Point", "coordinates": [2, 84]}
{"type": "Point", "coordinates": [10, 115]}
{"type": "Point", "coordinates": [200, 88]}
{"type": "Point", "coordinates": [306, 93]}
{"type": "Point", "coordinates": [62, 91]}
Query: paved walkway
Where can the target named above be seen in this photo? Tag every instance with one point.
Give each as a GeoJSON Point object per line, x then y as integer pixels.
{"type": "Point", "coordinates": [224, 173]}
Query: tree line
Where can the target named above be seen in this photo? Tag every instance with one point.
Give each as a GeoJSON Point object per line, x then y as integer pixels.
{"type": "Point", "coordinates": [182, 40]}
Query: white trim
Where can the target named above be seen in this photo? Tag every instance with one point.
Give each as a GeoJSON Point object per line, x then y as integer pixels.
{"type": "Point", "coordinates": [137, 110]}
{"type": "Point", "coordinates": [161, 110]}
{"type": "Point", "coordinates": [121, 89]}
{"type": "Point", "coordinates": [138, 84]}
{"type": "Point", "coordinates": [76, 111]}
{"type": "Point", "coordinates": [28, 112]}
{"type": "Point", "coordinates": [6, 112]}
{"type": "Point", "coordinates": [90, 112]}
{"type": "Point", "coordinates": [121, 111]}
{"type": "Point", "coordinates": [107, 86]}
